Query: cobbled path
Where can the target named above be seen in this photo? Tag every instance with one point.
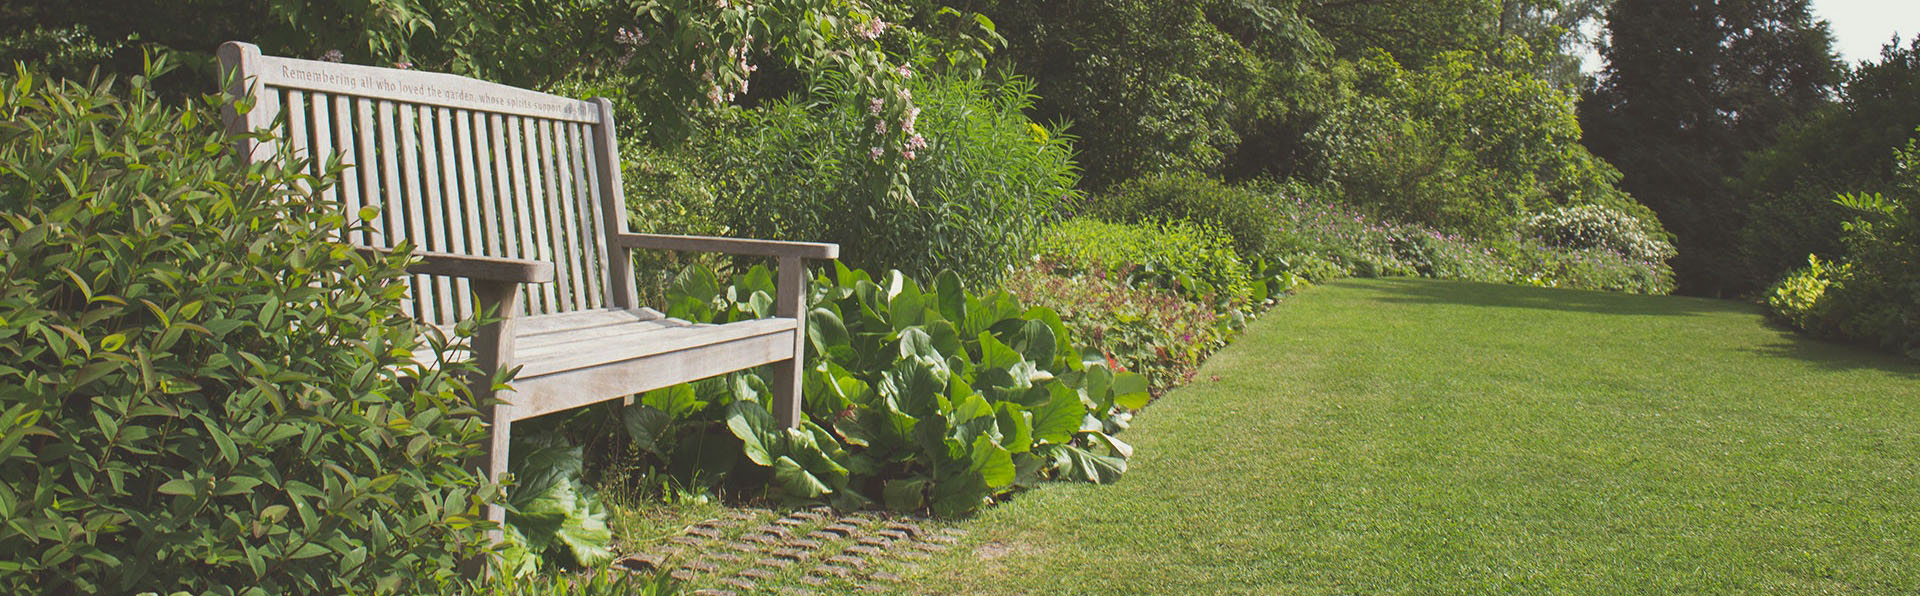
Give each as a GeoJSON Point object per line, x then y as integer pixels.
{"type": "Point", "coordinates": [809, 551]}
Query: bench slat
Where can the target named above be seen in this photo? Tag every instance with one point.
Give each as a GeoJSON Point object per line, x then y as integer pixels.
{"type": "Point", "coordinates": [593, 336]}
{"type": "Point", "coordinates": [532, 326]}
{"type": "Point", "coordinates": [554, 392]}
{"type": "Point", "coordinates": [349, 185]}
{"type": "Point", "coordinates": [588, 203]}
{"type": "Point", "coordinates": [643, 341]}
{"type": "Point", "coordinates": [368, 168]}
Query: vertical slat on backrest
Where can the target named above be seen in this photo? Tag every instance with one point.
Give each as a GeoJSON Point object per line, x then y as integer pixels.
{"type": "Point", "coordinates": [593, 237]}
{"type": "Point", "coordinates": [349, 185]}
{"type": "Point", "coordinates": [393, 219]}
{"type": "Point", "coordinates": [537, 182]}
{"type": "Point", "coordinates": [560, 213]}
{"type": "Point", "coordinates": [484, 178]}
{"type": "Point", "coordinates": [540, 142]}
{"type": "Point", "coordinates": [322, 139]}
{"type": "Point", "coordinates": [452, 209]}
{"type": "Point", "coordinates": [416, 223]}
{"type": "Point", "coordinates": [613, 206]}
{"type": "Point", "coordinates": [240, 64]}
{"type": "Point", "coordinates": [297, 137]}
{"type": "Point", "coordinates": [527, 224]}
{"type": "Point", "coordinates": [372, 234]}
{"type": "Point", "coordinates": [433, 209]}
{"type": "Point", "coordinates": [470, 200]}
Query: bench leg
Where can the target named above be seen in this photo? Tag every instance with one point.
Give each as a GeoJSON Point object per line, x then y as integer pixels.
{"type": "Point", "coordinates": [492, 347]}
{"type": "Point", "coordinates": [787, 374]}
{"type": "Point", "coordinates": [497, 467]}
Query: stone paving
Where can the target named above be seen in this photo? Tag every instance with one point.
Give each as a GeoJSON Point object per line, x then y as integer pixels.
{"type": "Point", "coordinates": [808, 551]}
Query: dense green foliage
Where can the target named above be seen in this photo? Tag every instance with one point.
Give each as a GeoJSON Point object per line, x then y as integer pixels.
{"type": "Point", "coordinates": [918, 398]}
{"type": "Point", "coordinates": [985, 179]}
{"type": "Point", "coordinates": [1194, 260]}
{"type": "Point", "coordinates": [199, 388]}
{"type": "Point", "coordinates": [1463, 145]}
{"type": "Point", "coordinates": [1748, 68]}
{"type": "Point", "coordinates": [1871, 293]}
{"type": "Point", "coordinates": [1135, 327]}
{"type": "Point", "coordinates": [1847, 147]}
{"type": "Point", "coordinates": [1243, 213]}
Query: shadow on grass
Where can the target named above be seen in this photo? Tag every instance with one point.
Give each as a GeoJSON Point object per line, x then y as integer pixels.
{"type": "Point", "coordinates": [1836, 356]}
{"type": "Point", "coordinates": [1412, 291]}
{"type": "Point", "coordinates": [1822, 354]}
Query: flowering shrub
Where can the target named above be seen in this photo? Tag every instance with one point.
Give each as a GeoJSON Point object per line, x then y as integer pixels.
{"type": "Point", "coordinates": [1321, 239]}
{"type": "Point", "coordinates": [1596, 226]}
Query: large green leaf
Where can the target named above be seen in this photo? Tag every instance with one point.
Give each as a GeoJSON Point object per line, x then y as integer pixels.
{"type": "Point", "coordinates": [906, 494]}
{"type": "Point", "coordinates": [677, 401]}
{"type": "Point", "coordinates": [952, 297]}
{"type": "Point", "coordinates": [644, 424]}
{"type": "Point", "coordinates": [1130, 391]}
{"type": "Point", "coordinates": [796, 481]}
{"type": "Point", "coordinates": [1060, 417]}
{"type": "Point", "coordinates": [993, 463]}
{"type": "Point", "coordinates": [754, 427]}
{"type": "Point", "coordinates": [1016, 427]}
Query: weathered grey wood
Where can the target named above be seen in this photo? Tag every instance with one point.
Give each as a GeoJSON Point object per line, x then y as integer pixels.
{"type": "Point", "coordinates": [790, 300]}
{"type": "Point", "coordinates": [571, 219]}
{"type": "Point", "coordinates": [594, 336]}
{"type": "Point", "coordinates": [369, 167]}
{"type": "Point", "coordinates": [555, 323]}
{"type": "Point", "coordinates": [433, 213]}
{"type": "Point", "coordinates": [488, 196]}
{"type": "Point", "coordinates": [297, 135]}
{"type": "Point", "coordinates": [241, 66]}
{"type": "Point", "coordinates": [545, 394]}
{"type": "Point", "coordinates": [613, 202]}
{"type": "Point", "coordinates": [587, 190]}
{"type": "Point", "coordinates": [420, 87]}
{"type": "Point", "coordinates": [349, 187]}
{"type": "Point", "coordinates": [473, 267]}
{"type": "Point", "coordinates": [552, 203]}
{"type": "Point", "coordinates": [643, 342]}
{"type": "Point", "coordinates": [493, 352]}
{"type": "Point", "coordinates": [734, 246]}
{"type": "Point", "coordinates": [322, 140]}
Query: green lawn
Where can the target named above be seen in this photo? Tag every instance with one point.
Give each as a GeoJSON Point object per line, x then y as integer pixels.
{"type": "Point", "coordinates": [1405, 436]}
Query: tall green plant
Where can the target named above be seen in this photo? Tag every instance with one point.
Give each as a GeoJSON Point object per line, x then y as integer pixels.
{"type": "Point", "coordinates": [200, 389]}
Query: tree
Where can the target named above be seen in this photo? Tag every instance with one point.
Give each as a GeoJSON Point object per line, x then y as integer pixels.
{"type": "Point", "coordinates": [1689, 88]}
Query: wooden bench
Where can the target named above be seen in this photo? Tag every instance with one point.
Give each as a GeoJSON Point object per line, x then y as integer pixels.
{"type": "Point", "coordinates": [512, 200]}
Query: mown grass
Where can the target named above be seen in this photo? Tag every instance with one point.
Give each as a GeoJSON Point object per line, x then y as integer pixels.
{"type": "Point", "coordinates": [1408, 436]}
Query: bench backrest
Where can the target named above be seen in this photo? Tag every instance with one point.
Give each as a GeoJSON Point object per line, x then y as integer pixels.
{"type": "Point", "coordinates": [457, 165]}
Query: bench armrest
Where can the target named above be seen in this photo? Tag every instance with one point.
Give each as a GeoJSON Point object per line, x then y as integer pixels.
{"type": "Point", "coordinates": [472, 267]}
{"type": "Point", "coordinates": [734, 246]}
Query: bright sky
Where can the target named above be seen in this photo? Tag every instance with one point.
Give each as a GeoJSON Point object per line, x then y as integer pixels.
{"type": "Point", "coordinates": [1859, 27]}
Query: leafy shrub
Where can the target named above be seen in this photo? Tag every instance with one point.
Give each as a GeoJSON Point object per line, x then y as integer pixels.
{"type": "Point", "coordinates": [1537, 264]}
{"type": "Point", "coordinates": [1245, 214]}
{"type": "Point", "coordinates": [199, 389]}
{"type": "Point", "coordinates": [1875, 294]}
{"type": "Point", "coordinates": [1146, 330]}
{"type": "Point", "coordinates": [1323, 239]}
{"type": "Point", "coordinates": [1192, 259]}
{"type": "Point", "coordinates": [1797, 299]}
{"type": "Point", "coordinates": [982, 187]}
{"type": "Point", "coordinates": [1595, 226]}
{"type": "Point", "coordinates": [916, 397]}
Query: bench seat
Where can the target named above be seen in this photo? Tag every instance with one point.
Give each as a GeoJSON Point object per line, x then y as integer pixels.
{"type": "Point", "coordinates": [584, 357]}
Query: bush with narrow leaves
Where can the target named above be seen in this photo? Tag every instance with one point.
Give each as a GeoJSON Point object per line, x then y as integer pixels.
{"type": "Point", "coordinates": [199, 389]}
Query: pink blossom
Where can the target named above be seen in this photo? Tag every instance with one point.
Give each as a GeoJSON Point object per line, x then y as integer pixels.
{"type": "Point", "coordinates": [908, 154]}
{"type": "Point", "coordinates": [880, 127]}
{"type": "Point", "coordinates": [876, 153]}
{"type": "Point", "coordinates": [333, 56]}
{"type": "Point", "coordinates": [403, 65]}
{"type": "Point", "coordinates": [916, 142]}
{"type": "Point", "coordinates": [876, 105]}
{"type": "Point", "coordinates": [905, 71]}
